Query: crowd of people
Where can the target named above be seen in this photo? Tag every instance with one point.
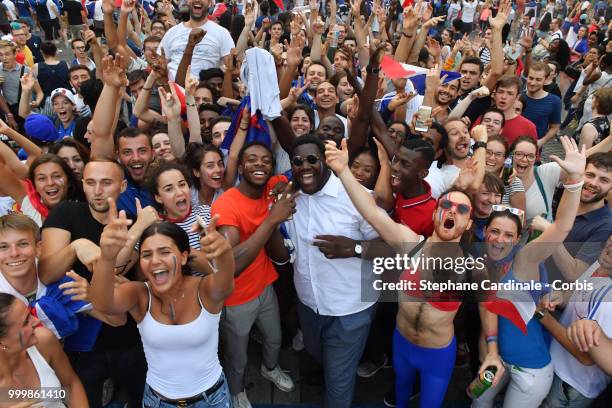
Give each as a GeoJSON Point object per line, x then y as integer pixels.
{"type": "Point", "coordinates": [261, 157]}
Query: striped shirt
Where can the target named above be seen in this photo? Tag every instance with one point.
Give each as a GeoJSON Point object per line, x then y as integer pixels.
{"type": "Point", "coordinates": [203, 211]}
{"type": "Point", "coordinates": [515, 187]}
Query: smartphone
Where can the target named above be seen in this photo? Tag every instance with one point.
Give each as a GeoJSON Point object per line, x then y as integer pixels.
{"type": "Point", "coordinates": [201, 223]}
{"type": "Point", "coordinates": [423, 116]}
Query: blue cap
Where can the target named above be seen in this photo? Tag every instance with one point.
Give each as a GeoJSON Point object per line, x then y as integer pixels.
{"type": "Point", "coordinates": [40, 127]}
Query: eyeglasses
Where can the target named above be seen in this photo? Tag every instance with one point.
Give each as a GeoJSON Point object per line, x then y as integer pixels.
{"type": "Point", "coordinates": [392, 132]}
{"type": "Point", "coordinates": [311, 158]}
{"type": "Point", "coordinates": [521, 155]}
{"type": "Point", "coordinates": [503, 208]}
{"type": "Point", "coordinates": [462, 209]}
{"type": "Point", "coordinates": [79, 48]}
{"type": "Point", "coordinates": [498, 155]}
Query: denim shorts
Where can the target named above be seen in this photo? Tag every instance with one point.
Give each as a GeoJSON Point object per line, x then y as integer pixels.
{"type": "Point", "coordinates": [219, 399]}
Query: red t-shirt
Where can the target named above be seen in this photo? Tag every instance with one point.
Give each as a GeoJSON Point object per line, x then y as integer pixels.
{"type": "Point", "coordinates": [515, 128]}
{"type": "Point", "coordinates": [416, 212]}
{"type": "Point", "coordinates": [246, 214]}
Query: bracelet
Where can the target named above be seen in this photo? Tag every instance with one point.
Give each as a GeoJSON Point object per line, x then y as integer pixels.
{"type": "Point", "coordinates": [190, 104]}
{"type": "Point", "coordinates": [573, 188]}
{"type": "Point", "coordinates": [241, 128]}
{"type": "Point", "coordinates": [491, 339]}
{"type": "Point", "coordinates": [281, 263]}
{"type": "Point", "coordinates": [144, 88]}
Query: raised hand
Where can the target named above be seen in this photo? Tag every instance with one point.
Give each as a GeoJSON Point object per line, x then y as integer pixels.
{"type": "Point", "coordinates": [77, 289]}
{"type": "Point", "coordinates": [213, 243]}
{"type": "Point", "coordinates": [195, 36]}
{"type": "Point", "coordinates": [575, 159]}
{"type": "Point", "coordinates": [467, 175]}
{"type": "Point", "coordinates": [294, 52]}
{"type": "Point", "coordinates": [89, 35]}
{"type": "Point", "coordinates": [171, 105]}
{"type": "Point", "coordinates": [336, 159]}
{"type": "Point", "coordinates": [432, 22]}
{"type": "Point", "coordinates": [127, 6]}
{"type": "Point", "coordinates": [297, 91]}
{"type": "Point", "coordinates": [479, 133]}
{"type": "Point", "coordinates": [284, 207]}
{"type": "Point", "coordinates": [27, 81]}
{"type": "Point", "coordinates": [401, 98]}
{"type": "Point", "coordinates": [145, 216]}
{"type": "Point", "coordinates": [377, 53]}
{"type": "Point", "coordinates": [410, 18]}
{"type": "Point", "coordinates": [160, 65]}
{"type": "Point", "coordinates": [383, 156]}
{"type": "Point", "coordinates": [250, 14]}
{"type": "Point", "coordinates": [113, 71]}
{"type": "Point", "coordinates": [86, 252]}
{"type": "Point", "coordinates": [191, 83]}
{"type": "Point", "coordinates": [501, 19]}
{"type": "Point", "coordinates": [115, 233]}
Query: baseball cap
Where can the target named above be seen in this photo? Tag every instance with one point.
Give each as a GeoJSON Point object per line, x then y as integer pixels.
{"type": "Point", "coordinates": [65, 92]}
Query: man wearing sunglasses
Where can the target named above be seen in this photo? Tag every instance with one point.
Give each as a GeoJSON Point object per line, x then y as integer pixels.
{"type": "Point", "coordinates": [335, 308]}
{"type": "Point", "coordinates": [424, 338]}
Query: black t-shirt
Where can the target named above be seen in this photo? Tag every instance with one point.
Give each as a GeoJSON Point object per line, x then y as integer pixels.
{"type": "Point", "coordinates": [76, 218]}
{"type": "Point", "coordinates": [73, 9]}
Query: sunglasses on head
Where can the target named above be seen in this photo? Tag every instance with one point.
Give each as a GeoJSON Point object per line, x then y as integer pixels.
{"type": "Point", "coordinates": [462, 209]}
{"type": "Point", "coordinates": [311, 158]}
{"type": "Point", "coordinates": [516, 211]}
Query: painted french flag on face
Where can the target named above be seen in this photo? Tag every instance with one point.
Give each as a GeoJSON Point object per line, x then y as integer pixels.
{"type": "Point", "coordinates": [395, 70]}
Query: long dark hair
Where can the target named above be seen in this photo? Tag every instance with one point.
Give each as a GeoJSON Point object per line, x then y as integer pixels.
{"type": "Point", "coordinates": [70, 142]}
{"type": "Point", "coordinates": [193, 157]}
{"type": "Point", "coordinates": [74, 192]}
{"type": "Point", "coordinates": [172, 231]}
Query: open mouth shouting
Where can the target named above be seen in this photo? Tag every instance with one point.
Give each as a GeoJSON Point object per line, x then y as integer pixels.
{"type": "Point", "coordinates": [182, 206]}
{"type": "Point", "coordinates": [589, 192]}
{"type": "Point", "coordinates": [137, 170]}
{"type": "Point", "coordinates": [462, 148]}
{"type": "Point", "coordinates": [161, 276]}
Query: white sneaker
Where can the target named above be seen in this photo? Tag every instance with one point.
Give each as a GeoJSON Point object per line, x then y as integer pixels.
{"type": "Point", "coordinates": [282, 381]}
{"type": "Point", "coordinates": [298, 341]}
{"type": "Point", "coordinates": [241, 401]}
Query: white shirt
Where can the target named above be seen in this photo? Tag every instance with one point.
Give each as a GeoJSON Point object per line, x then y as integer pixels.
{"type": "Point", "coordinates": [549, 174]}
{"type": "Point", "coordinates": [469, 9]}
{"type": "Point", "coordinates": [441, 179]}
{"type": "Point", "coordinates": [209, 52]}
{"type": "Point", "coordinates": [330, 287]}
{"type": "Point", "coordinates": [594, 304]}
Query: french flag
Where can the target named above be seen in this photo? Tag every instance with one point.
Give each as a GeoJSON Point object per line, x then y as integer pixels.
{"type": "Point", "coordinates": [396, 70]}
{"type": "Point", "coordinates": [519, 312]}
{"type": "Point", "coordinates": [258, 128]}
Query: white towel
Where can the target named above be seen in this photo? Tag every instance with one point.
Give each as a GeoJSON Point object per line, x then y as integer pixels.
{"type": "Point", "coordinates": [259, 73]}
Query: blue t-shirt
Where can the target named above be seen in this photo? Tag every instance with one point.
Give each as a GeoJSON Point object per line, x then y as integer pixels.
{"type": "Point", "coordinates": [23, 8]}
{"type": "Point", "coordinates": [127, 199]}
{"type": "Point", "coordinates": [543, 112]}
{"type": "Point", "coordinates": [527, 351]}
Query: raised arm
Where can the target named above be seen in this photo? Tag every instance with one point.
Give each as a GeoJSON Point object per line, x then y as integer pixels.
{"type": "Point", "coordinates": [171, 108]}
{"type": "Point", "coordinates": [105, 297]}
{"type": "Point", "coordinates": [220, 284]}
{"type": "Point", "coordinates": [104, 118]}
{"type": "Point", "coordinates": [231, 169]}
{"type": "Point", "coordinates": [497, 47]}
{"type": "Point", "coordinates": [391, 232]}
{"type": "Point", "coordinates": [193, 118]}
{"type": "Point", "coordinates": [11, 186]}
{"type": "Point", "coordinates": [541, 248]}
{"type": "Point", "coordinates": [195, 36]}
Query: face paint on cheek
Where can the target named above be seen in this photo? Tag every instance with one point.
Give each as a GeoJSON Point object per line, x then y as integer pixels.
{"type": "Point", "coordinates": [21, 341]}
{"type": "Point", "coordinates": [173, 266]}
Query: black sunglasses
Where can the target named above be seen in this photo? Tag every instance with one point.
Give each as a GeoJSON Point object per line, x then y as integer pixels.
{"type": "Point", "coordinates": [311, 158]}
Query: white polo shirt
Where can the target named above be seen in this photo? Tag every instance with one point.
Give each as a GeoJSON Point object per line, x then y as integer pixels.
{"type": "Point", "coordinates": [331, 287]}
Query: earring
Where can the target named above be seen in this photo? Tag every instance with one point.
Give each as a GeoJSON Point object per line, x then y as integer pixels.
{"type": "Point", "coordinates": [3, 347]}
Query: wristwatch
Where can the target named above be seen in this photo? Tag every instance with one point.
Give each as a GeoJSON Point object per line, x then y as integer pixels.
{"type": "Point", "coordinates": [407, 35]}
{"type": "Point", "coordinates": [480, 144]}
{"type": "Point", "coordinates": [539, 314]}
{"type": "Point", "coordinates": [358, 249]}
{"type": "Point", "coordinates": [372, 69]}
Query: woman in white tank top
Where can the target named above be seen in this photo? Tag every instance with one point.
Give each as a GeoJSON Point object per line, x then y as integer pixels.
{"type": "Point", "coordinates": [177, 314]}
{"type": "Point", "coordinates": [31, 358]}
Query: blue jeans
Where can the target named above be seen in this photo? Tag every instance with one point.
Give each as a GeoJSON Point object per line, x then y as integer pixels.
{"type": "Point", "coordinates": [219, 399]}
{"type": "Point", "coordinates": [562, 394]}
{"type": "Point", "coordinates": [337, 342]}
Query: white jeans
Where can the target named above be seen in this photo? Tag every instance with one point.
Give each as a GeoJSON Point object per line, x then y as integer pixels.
{"type": "Point", "coordinates": [527, 387]}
